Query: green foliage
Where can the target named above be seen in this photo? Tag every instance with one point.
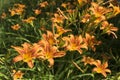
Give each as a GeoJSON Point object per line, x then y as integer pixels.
{"type": "Point", "coordinates": [73, 18]}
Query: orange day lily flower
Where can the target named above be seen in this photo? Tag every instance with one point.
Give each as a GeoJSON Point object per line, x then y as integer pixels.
{"type": "Point", "coordinates": [109, 28]}
{"type": "Point", "coordinates": [116, 9]}
{"type": "Point", "coordinates": [64, 5]}
{"type": "Point", "coordinates": [49, 37]}
{"type": "Point", "coordinates": [101, 68]}
{"type": "Point", "coordinates": [73, 43]}
{"type": "Point", "coordinates": [97, 10]}
{"type": "Point", "coordinates": [60, 30]}
{"type": "Point", "coordinates": [91, 41]}
{"type": "Point", "coordinates": [99, 19]}
{"type": "Point", "coordinates": [48, 52]}
{"type": "Point", "coordinates": [29, 20]}
{"type": "Point", "coordinates": [15, 27]}
{"type": "Point", "coordinates": [37, 11]}
{"type": "Point", "coordinates": [17, 75]}
{"type": "Point", "coordinates": [27, 53]}
{"type": "Point", "coordinates": [44, 4]}
{"type": "Point", "coordinates": [58, 18]}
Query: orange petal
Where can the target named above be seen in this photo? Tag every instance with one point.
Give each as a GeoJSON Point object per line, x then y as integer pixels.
{"type": "Point", "coordinates": [108, 70]}
{"type": "Point", "coordinates": [80, 39]}
{"type": "Point", "coordinates": [30, 64]}
{"type": "Point", "coordinates": [80, 51]}
{"type": "Point", "coordinates": [26, 47]}
{"type": "Point", "coordinates": [18, 58]}
{"type": "Point", "coordinates": [35, 49]}
{"type": "Point", "coordinates": [51, 61]}
{"type": "Point", "coordinates": [59, 54]}
{"type": "Point", "coordinates": [104, 74]}
{"type": "Point", "coordinates": [50, 34]}
{"type": "Point", "coordinates": [84, 46]}
{"type": "Point", "coordinates": [95, 69]}
{"type": "Point", "coordinates": [97, 63]}
{"type": "Point", "coordinates": [18, 49]}
{"type": "Point", "coordinates": [105, 64]}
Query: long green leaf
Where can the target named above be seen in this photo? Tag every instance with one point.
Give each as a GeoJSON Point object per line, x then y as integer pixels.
{"type": "Point", "coordinates": [82, 75]}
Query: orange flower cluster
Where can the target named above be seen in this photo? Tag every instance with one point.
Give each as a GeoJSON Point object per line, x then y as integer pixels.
{"type": "Point", "coordinates": [99, 14]}
{"type": "Point", "coordinates": [17, 9]}
{"type": "Point", "coordinates": [58, 38]}
{"type": "Point", "coordinates": [73, 43]}
{"type": "Point", "coordinates": [44, 49]}
{"type": "Point", "coordinates": [100, 68]}
{"type": "Point", "coordinates": [48, 48]}
{"type": "Point", "coordinates": [97, 10]}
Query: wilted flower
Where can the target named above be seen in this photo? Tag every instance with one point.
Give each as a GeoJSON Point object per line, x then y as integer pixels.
{"type": "Point", "coordinates": [86, 18]}
{"type": "Point", "coordinates": [15, 27]}
{"type": "Point", "coordinates": [101, 68]}
{"type": "Point", "coordinates": [17, 75]}
{"type": "Point", "coordinates": [73, 43]}
{"type": "Point", "coordinates": [87, 60]}
{"type": "Point", "coordinates": [53, 3]}
{"type": "Point", "coordinates": [3, 15]}
{"type": "Point", "coordinates": [105, 57]}
{"type": "Point", "coordinates": [19, 6]}
{"type": "Point", "coordinates": [70, 11]}
{"type": "Point", "coordinates": [42, 28]}
{"type": "Point", "coordinates": [27, 53]}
